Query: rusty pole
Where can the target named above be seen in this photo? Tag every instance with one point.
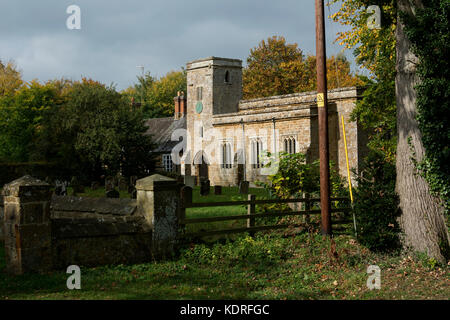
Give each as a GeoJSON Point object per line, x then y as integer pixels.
{"type": "Point", "coordinates": [322, 108]}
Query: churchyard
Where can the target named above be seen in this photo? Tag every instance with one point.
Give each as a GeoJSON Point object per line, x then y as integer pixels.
{"type": "Point", "coordinates": [295, 263]}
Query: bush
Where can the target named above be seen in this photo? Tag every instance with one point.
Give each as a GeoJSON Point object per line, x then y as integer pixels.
{"type": "Point", "coordinates": [376, 205]}
{"type": "Point", "coordinates": [260, 250]}
{"type": "Point", "coordinates": [296, 176]}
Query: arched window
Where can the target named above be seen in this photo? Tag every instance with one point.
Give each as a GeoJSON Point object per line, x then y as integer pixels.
{"type": "Point", "coordinates": [256, 152]}
{"type": "Point", "coordinates": [227, 161]}
{"type": "Point", "coordinates": [227, 76]}
{"type": "Point", "coordinates": [199, 93]}
{"type": "Point", "coordinates": [289, 145]}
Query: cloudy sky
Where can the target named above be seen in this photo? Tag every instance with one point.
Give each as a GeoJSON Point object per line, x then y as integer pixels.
{"type": "Point", "coordinates": [162, 35]}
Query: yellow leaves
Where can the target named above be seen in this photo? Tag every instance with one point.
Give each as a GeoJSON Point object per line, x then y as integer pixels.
{"type": "Point", "coordinates": [10, 78]}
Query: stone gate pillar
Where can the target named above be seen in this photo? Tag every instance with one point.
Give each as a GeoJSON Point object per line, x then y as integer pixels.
{"type": "Point", "coordinates": [158, 200]}
{"type": "Point", "coordinates": [27, 226]}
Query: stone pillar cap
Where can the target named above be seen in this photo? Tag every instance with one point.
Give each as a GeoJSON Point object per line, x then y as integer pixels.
{"type": "Point", "coordinates": [155, 181]}
{"type": "Point", "coordinates": [13, 188]}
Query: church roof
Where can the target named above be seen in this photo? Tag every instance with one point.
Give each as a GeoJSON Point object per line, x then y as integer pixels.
{"type": "Point", "coordinates": [161, 130]}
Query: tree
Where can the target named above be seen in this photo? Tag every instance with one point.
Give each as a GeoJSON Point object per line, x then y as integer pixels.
{"type": "Point", "coordinates": [374, 51]}
{"type": "Point", "coordinates": [157, 95]}
{"type": "Point", "coordinates": [95, 132]}
{"type": "Point", "coordinates": [422, 218]}
{"type": "Point", "coordinates": [275, 67]}
{"type": "Point", "coordinates": [22, 118]}
{"type": "Point", "coordinates": [10, 79]}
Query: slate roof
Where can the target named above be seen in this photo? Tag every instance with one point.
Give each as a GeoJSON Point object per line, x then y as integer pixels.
{"type": "Point", "coordinates": [161, 130]}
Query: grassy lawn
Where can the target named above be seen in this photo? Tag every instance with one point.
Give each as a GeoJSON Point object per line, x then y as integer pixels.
{"type": "Point", "coordinates": [302, 270]}
{"type": "Point", "coordinates": [289, 264]}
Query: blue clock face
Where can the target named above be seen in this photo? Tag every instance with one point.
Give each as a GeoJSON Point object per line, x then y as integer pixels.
{"type": "Point", "coordinates": [199, 107]}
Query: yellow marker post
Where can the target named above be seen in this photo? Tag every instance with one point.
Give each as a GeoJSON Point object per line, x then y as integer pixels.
{"type": "Point", "coordinates": [348, 171]}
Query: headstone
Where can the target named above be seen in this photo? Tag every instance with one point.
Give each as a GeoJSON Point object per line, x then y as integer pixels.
{"type": "Point", "coordinates": [217, 190]}
{"type": "Point", "coordinates": [109, 184]}
{"type": "Point", "coordinates": [58, 190]}
{"type": "Point", "coordinates": [243, 187]}
{"type": "Point", "coordinates": [123, 185]}
{"type": "Point", "coordinates": [189, 181]}
{"type": "Point", "coordinates": [76, 186]}
{"type": "Point", "coordinates": [61, 188]}
{"type": "Point", "coordinates": [204, 187]}
{"type": "Point", "coordinates": [133, 180]}
{"type": "Point", "coordinates": [113, 194]}
{"type": "Point", "coordinates": [95, 185]}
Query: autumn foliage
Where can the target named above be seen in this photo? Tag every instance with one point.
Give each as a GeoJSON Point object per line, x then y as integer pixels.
{"type": "Point", "coordinates": [275, 67]}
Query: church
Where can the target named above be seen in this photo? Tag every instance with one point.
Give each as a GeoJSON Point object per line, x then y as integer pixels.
{"type": "Point", "coordinates": [216, 136]}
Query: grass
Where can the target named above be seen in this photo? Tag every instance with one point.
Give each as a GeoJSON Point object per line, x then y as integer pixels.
{"type": "Point", "coordinates": [304, 270]}
{"type": "Point", "coordinates": [289, 264]}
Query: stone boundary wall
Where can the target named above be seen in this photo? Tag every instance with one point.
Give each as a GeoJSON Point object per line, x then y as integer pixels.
{"type": "Point", "coordinates": [44, 232]}
{"type": "Point", "coordinates": [90, 232]}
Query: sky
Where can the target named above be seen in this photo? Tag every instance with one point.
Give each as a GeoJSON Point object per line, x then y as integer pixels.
{"type": "Point", "coordinates": [116, 36]}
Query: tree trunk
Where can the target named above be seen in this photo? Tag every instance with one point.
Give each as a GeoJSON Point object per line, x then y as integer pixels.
{"type": "Point", "coordinates": [422, 219]}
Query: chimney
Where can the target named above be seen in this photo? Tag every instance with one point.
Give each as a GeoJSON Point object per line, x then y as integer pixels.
{"type": "Point", "coordinates": [180, 105]}
{"type": "Point", "coordinates": [177, 106]}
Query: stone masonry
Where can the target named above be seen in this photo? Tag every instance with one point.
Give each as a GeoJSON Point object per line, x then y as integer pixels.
{"type": "Point", "coordinates": [44, 232]}
{"type": "Point", "coordinates": [216, 115]}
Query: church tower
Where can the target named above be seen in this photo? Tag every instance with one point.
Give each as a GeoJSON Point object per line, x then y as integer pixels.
{"type": "Point", "coordinates": [214, 86]}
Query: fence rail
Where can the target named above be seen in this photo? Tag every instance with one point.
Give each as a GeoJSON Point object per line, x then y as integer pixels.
{"type": "Point", "coordinates": [186, 196]}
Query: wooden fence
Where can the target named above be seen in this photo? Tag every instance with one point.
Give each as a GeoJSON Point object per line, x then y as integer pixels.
{"type": "Point", "coordinates": [186, 202]}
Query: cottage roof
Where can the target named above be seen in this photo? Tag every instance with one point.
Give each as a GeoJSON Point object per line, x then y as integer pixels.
{"type": "Point", "coordinates": [161, 130]}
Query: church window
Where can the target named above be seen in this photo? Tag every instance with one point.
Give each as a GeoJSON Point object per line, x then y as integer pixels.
{"type": "Point", "coordinates": [256, 152]}
{"type": "Point", "coordinates": [199, 93]}
{"type": "Point", "coordinates": [227, 76]}
{"type": "Point", "coordinates": [226, 156]}
{"type": "Point", "coordinates": [289, 145]}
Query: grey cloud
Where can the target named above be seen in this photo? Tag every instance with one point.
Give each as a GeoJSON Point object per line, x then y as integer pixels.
{"type": "Point", "coordinates": [116, 36]}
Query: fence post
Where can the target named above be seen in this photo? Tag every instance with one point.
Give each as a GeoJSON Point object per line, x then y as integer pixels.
{"type": "Point", "coordinates": [251, 210]}
{"type": "Point", "coordinates": [186, 201]}
{"type": "Point", "coordinates": [27, 226]}
{"type": "Point", "coordinates": [307, 207]}
{"type": "Point", "coordinates": [158, 200]}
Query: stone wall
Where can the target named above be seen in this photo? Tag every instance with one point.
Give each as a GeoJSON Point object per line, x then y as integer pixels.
{"type": "Point", "coordinates": [275, 118]}
{"type": "Point", "coordinates": [89, 232]}
{"type": "Point", "coordinates": [225, 119]}
{"type": "Point", "coordinates": [44, 232]}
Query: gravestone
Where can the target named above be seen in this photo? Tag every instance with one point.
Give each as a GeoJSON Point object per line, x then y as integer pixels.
{"type": "Point", "coordinates": [133, 180]}
{"type": "Point", "coordinates": [217, 190]}
{"type": "Point", "coordinates": [61, 188]}
{"type": "Point", "coordinates": [95, 185]}
{"type": "Point", "coordinates": [204, 187]}
{"type": "Point", "coordinates": [243, 187]}
{"type": "Point", "coordinates": [109, 184]}
{"type": "Point", "coordinates": [76, 186]}
{"type": "Point", "coordinates": [189, 181]}
{"type": "Point", "coordinates": [123, 185]}
{"type": "Point", "coordinates": [132, 191]}
{"type": "Point", "coordinates": [114, 194]}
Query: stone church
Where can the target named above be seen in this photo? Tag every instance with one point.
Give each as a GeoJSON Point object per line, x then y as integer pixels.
{"type": "Point", "coordinates": [216, 135]}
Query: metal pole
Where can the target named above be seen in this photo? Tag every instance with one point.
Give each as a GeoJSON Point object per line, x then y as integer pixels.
{"type": "Point", "coordinates": [322, 108]}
